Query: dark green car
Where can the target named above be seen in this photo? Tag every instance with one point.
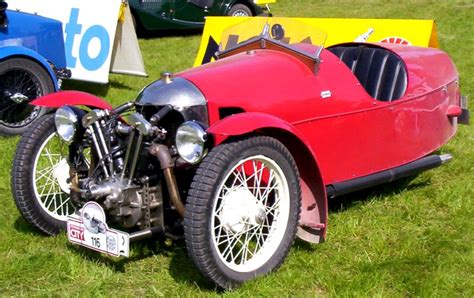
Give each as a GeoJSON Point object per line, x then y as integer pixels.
{"type": "Point", "coordinates": [188, 14]}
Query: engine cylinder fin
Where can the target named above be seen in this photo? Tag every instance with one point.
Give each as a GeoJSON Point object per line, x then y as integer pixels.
{"type": "Point", "coordinates": [98, 150]}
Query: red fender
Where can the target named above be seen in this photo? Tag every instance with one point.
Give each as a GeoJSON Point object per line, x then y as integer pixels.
{"type": "Point", "coordinates": [71, 98]}
{"type": "Point", "coordinates": [239, 124]}
{"type": "Point", "coordinates": [313, 220]}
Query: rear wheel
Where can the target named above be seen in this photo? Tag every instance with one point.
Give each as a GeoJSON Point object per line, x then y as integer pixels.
{"type": "Point", "coordinates": [39, 177]}
{"type": "Point", "coordinates": [242, 210]}
{"type": "Point", "coordinates": [240, 10]}
{"type": "Point", "coordinates": [21, 81]}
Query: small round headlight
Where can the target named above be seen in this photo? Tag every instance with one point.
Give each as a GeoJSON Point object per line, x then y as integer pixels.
{"type": "Point", "coordinates": [190, 139]}
{"type": "Point", "coordinates": [66, 123]}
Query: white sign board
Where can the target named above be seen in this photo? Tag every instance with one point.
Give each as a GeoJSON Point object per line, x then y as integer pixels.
{"type": "Point", "coordinates": [89, 31]}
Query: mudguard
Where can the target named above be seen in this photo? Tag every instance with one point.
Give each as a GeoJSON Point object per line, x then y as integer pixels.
{"type": "Point", "coordinates": [22, 52]}
{"type": "Point", "coordinates": [71, 98]}
{"type": "Point", "coordinates": [239, 124]}
{"type": "Point", "coordinates": [313, 221]}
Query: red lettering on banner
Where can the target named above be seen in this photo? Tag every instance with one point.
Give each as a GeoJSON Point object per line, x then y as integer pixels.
{"type": "Point", "coordinates": [76, 232]}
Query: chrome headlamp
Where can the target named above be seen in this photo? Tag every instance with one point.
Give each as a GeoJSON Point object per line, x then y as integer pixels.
{"type": "Point", "coordinates": [66, 123]}
{"type": "Point", "coordinates": [190, 140]}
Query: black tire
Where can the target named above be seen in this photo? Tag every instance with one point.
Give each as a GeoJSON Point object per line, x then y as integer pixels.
{"type": "Point", "coordinates": [240, 10]}
{"type": "Point", "coordinates": [26, 191]}
{"type": "Point", "coordinates": [29, 80]}
{"type": "Point", "coordinates": [200, 220]}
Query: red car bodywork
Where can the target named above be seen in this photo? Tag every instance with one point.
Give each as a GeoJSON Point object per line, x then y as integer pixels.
{"type": "Point", "coordinates": [334, 138]}
{"type": "Point", "coordinates": [349, 134]}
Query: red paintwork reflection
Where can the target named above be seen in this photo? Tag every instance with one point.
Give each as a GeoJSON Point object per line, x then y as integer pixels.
{"type": "Point", "coordinates": [71, 98]}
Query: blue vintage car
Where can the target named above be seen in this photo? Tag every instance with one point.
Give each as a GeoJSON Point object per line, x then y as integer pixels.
{"type": "Point", "coordinates": [32, 64]}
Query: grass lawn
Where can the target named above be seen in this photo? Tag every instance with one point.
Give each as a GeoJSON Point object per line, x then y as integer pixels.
{"type": "Point", "coordinates": [410, 238]}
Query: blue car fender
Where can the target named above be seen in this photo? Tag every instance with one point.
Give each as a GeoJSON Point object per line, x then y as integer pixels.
{"type": "Point", "coordinates": [17, 51]}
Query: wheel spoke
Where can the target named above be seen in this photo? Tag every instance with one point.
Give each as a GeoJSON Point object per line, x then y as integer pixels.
{"type": "Point", "coordinates": [62, 204]}
{"type": "Point", "coordinates": [49, 156]}
{"type": "Point", "coordinates": [275, 207]}
{"type": "Point", "coordinates": [268, 190]}
{"type": "Point", "coordinates": [51, 181]}
{"type": "Point", "coordinates": [43, 173]}
{"type": "Point", "coordinates": [248, 222]}
{"type": "Point", "coordinates": [232, 241]}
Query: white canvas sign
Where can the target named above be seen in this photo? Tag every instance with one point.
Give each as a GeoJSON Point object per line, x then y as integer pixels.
{"type": "Point", "coordinates": [89, 30]}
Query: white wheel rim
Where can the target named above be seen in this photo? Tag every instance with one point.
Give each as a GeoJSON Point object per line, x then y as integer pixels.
{"type": "Point", "coordinates": [50, 174]}
{"type": "Point", "coordinates": [240, 13]}
{"type": "Point", "coordinates": [250, 213]}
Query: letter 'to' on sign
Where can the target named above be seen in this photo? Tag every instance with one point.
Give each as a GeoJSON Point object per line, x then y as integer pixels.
{"type": "Point", "coordinates": [94, 63]}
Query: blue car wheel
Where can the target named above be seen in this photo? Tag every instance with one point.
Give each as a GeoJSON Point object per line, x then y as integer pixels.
{"type": "Point", "coordinates": [21, 81]}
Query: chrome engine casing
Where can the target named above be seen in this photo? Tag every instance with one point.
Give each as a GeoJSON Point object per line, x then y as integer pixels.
{"type": "Point", "coordinates": [127, 203]}
{"type": "Point", "coordinates": [180, 93]}
{"type": "Point", "coordinates": [122, 201]}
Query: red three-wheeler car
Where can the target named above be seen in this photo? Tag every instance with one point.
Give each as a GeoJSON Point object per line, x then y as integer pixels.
{"type": "Point", "coordinates": [240, 155]}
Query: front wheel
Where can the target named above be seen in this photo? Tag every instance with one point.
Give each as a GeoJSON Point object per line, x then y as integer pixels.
{"type": "Point", "coordinates": [21, 81]}
{"type": "Point", "coordinates": [40, 177]}
{"type": "Point", "coordinates": [242, 210]}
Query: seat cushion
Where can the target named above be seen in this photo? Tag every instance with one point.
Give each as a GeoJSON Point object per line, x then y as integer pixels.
{"type": "Point", "coordinates": [380, 72]}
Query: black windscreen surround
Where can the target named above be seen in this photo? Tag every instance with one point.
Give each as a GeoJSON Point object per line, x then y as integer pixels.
{"type": "Point", "coordinates": [382, 73]}
{"type": "Point", "coordinates": [202, 3]}
{"type": "Point", "coordinates": [3, 15]}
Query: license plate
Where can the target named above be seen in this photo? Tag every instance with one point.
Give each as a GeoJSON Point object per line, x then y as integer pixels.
{"type": "Point", "coordinates": [89, 229]}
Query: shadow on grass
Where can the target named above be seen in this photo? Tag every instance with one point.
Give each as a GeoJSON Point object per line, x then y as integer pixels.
{"type": "Point", "coordinates": [183, 271]}
{"type": "Point", "coordinates": [181, 267]}
{"type": "Point", "coordinates": [22, 226]}
{"type": "Point", "coordinates": [94, 88]}
{"type": "Point", "coordinates": [301, 245]}
{"type": "Point", "coordinates": [345, 202]}
{"type": "Point", "coordinates": [139, 251]}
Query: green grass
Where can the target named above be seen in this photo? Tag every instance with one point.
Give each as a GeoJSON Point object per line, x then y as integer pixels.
{"type": "Point", "coordinates": [410, 238]}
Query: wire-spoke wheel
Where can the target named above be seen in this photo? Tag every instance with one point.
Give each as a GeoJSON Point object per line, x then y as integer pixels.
{"type": "Point", "coordinates": [21, 81]}
{"type": "Point", "coordinates": [242, 210]}
{"type": "Point", "coordinates": [40, 177]}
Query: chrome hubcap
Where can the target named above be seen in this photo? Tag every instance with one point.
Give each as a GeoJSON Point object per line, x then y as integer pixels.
{"type": "Point", "coordinates": [61, 174]}
{"type": "Point", "coordinates": [241, 210]}
{"type": "Point", "coordinates": [18, 97]}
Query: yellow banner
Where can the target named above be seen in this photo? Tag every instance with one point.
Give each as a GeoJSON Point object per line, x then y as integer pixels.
{"type": "Point", "coordinates": [411, 32]}
{"type": "Point", "coordinates": [263, 2]}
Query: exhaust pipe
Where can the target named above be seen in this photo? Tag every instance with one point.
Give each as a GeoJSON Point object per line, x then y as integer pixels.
{"type": "Point", "coordinates": [144, 234]}
{"type": "Point", "coordinates": [410, 169]}
{"type": "Point", "coordinates": [163, 155]}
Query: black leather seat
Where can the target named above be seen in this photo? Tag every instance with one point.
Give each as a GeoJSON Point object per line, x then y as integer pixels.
{"type": "Point", "coordinates": [380, 72]}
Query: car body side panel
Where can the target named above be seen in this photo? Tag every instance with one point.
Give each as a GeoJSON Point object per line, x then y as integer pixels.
{"type": "Point", "coordinates": [71, 98]}
{"type": "Point", "coordinates": [428, 69]}
{"type": "Point", "coordinates": [392, 134]}
{"type": "Point", "coordinates": [364, 143]}
{"type": "Point", "coordinates": [164, 15]}
{"type": "Point", "coordinates": [352, 134]}
{"type": "Point", "coordinates": [21, 52]}
{"type": "Point", "coordinates": [40, 34]}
